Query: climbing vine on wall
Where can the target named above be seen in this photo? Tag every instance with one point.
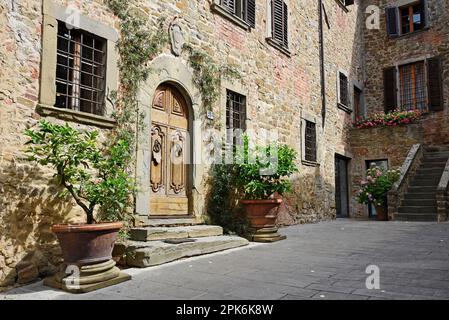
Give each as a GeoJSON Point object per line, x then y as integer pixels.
{"type": "Point", "coordinates": [207, 74]}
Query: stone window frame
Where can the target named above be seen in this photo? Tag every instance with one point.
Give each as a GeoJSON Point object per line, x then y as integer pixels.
{"type": "Point", "coordinates": [346, 108]}
{"type": "Point", "coordinates": [400, 63]}
{"type": "Point", "coordinates": [305, 116]}
{"type": "Point", "coordinates": [269, 31]}
{"type": "Point", "coordinates": [239, 88]}
{"type": "Point", "coordinates": [218, 8]}
{"type": "Point", "coordinates": [52, 13]}
{"type": "Point", "coordinates": [403, 3]}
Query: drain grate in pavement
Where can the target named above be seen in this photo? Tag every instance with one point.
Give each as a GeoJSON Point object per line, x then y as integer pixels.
{"type": "Point", "coordinates": [179, 241]}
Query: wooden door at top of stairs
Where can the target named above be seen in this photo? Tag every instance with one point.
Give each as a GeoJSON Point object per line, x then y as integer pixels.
{"type": "Point", "coordinates": [170, 154]}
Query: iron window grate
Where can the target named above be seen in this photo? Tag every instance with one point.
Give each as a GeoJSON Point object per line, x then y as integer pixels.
{"type": "Point", "coordinates": [80, 70]}
{"type": "Point", "coordinates": [235, 115]}
{"type": "Point", "coordinates": [413, 86]}
{"type": "Point", "coordinates": [310, 142]}
{"type": "Point", "coordinates": [344, 95]}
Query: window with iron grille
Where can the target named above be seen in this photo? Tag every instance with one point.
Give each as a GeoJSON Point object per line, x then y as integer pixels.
{"type": "Point", "coordinates": [310, 142]}
{"type": "Point", "coordinates": [235, 116]}
{"type": "Point", "coordinates": [413, 86]}
{"type": "Point", "coordinates": [80, 70]}
{"type": "Point", "coordinates": [279, 22]}
{"type": "Point", "coordinates": [344, 95]}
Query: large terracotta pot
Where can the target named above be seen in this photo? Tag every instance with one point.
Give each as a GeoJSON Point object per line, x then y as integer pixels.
{"type": "Point", "coordinates": [83, 244]}
{"type": "Point", "coordinates": [382, 213]}
{"type": "Point", "coordinates": [261, 213]}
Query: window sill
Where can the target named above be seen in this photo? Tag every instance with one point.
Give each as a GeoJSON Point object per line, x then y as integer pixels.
{"type": "Point", "coordinates": [343, 107]}
{"type": "Point", "coordinates": [278, 46]}
{"type": "Point", "coordinates": [310, 163]}
{"type": "Point", "coordinates": [410, 34]}
{"type": "Point", "coordinates": [226, 14]}
{"type": "Point", "coordinates": [76, 116]}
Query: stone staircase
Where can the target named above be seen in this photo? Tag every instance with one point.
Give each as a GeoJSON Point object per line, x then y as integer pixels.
{"type": "Point", "coordinates": [162, 240]}
{"type": "Point", "coordinates": [419, 203]}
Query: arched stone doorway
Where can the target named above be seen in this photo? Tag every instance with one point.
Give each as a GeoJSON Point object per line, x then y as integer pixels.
{"type": "Point", "coordinates": [170, 153]}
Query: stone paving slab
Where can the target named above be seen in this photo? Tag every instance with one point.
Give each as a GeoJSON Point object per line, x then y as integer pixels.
{"type": "Point", "coordinates": [320, 261]}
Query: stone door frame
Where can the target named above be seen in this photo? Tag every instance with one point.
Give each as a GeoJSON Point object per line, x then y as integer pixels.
{"type": "Point", "coordinates": [171, 70]}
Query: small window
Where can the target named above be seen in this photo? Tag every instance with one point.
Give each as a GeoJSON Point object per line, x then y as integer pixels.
{"type": "Point", "coordinates": [343, 89]}
{"type": "Point", "coordinates": [358, 103]}
{"type": "Point", "coordinates": [412, 86]}
{"type": "Point", "coordinates": [411, 18]}
{"type": "Point", "coordinates": [244, 10]}
{"type": "Point", "coordinates": [235, 116]}
{"type": "Point", "coordinates": [279, 22]}
{"type": "Point", "coordinates": [80, 70]}
{"type": "Point", "coordinates": [407, 19]}
{"type": "Point", "coordinates": [310, 142]}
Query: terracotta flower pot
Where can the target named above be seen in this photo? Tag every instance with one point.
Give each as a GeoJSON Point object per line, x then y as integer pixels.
{"type": "Point", "coordinates": [382, 213]}
{"type": "Point", "coordinates": [260, 212]}
{"type": "Point", "coordinates": [83, 244]}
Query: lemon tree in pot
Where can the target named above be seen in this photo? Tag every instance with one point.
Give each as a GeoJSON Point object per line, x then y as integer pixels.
{"type": "Point", "coordinates": [99, 182]}
{"type": "Point", "coordinates": [262, 177]}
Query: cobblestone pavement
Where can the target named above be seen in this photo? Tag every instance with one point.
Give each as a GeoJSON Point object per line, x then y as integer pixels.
{"type": "Point", "coordinates": [321, 261]}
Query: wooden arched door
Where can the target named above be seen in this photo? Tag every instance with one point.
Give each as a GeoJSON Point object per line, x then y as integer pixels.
{"type": "Point", "coordinates": [170, 153]}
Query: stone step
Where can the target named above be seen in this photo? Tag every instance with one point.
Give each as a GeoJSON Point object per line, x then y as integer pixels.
{"type": "Point", "coordinates": [422, 189]}
{"type": "Point", "coordinates": [440, 154]}
{"type": "Point", "coordinates": [145, 221]}
{"type": "Point", "coordinates": [430, 171]}
{"type": "Point", "coordinates": [433, 165]}
{"type": "Point", "coordinates": [434, 160]}
{"type": "Point", "coordinates": [420, 182]}
{"type": "Point", "coordinates": [418, 202]}
{"type": "Point", "coordinates": [164, 233]}
{"type": "Point", "coordinates": [419, 196]}
{"type": "Point", "coordinates": [419, 209]}
{"type": "Point", "coordinates": [152, 253]}
{"type": "Point", "coordinates": [416, 217]}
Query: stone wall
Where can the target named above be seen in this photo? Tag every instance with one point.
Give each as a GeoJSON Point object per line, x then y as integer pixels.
{"type": "Point", "coordinates": [280, 90]}
{"type": "Point", "coordinates": [382, 143]}
{"type": "Point", "coordinates": [29, 204]}
{"type": "Point", "coordinates": [382, 52]}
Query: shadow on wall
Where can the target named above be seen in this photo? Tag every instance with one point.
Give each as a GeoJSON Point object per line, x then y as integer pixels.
{"type": "Point", "coordinates": [29, 206]}
{"type": "Point", "coordinates": [312, 200]}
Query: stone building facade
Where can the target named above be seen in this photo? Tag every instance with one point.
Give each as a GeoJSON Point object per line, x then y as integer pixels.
{"type": "Point", "coordinates": [303, 76]}
{"type": "Point", "coordinates": [383, 51]}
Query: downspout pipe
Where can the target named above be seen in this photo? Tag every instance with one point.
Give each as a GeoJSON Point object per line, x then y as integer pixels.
{"type": "Point", "coordinates": [322, 68]}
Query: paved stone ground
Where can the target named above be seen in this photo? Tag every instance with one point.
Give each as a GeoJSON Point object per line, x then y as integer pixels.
{"type": "Point", "coordinates": [322, 261]}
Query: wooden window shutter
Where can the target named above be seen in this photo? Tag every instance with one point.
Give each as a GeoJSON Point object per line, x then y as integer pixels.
{"type": "Point", "coordinates": [278, 18]}
{"type": "Point", "coordinates": [229, 5]}
{"type": "Point", "coordinates": [251, 12]}
{"type": "Point", "coordinates": [390, 96]}
{"type": "Point", "coordinates": [392, 22]}
{"type": "Point", "coordinates": [285, 12]}
{"type": "Point", "coordinates": [424, 13]}
{"type": "Point", "coordinates": [435, 90]}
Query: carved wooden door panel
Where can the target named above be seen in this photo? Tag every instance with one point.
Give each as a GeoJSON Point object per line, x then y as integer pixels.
{"type": "Point", "coordinates": [169, 154]}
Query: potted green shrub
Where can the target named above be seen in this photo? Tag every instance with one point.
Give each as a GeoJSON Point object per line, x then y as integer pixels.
{"type": "Point", "coordinates": [262, 177]}
{"type": "Point", "coordinates": [374, 189]}
{"type": "Point", "coordinates": [99, 182]}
